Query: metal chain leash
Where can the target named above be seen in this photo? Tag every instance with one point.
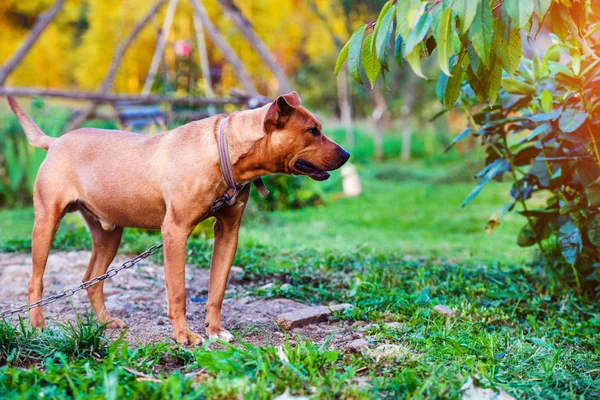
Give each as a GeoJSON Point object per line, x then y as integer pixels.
{"type": "Point", "coordinates": [85, 285]}
{"type": "Point", "coordinates": [225, 200]}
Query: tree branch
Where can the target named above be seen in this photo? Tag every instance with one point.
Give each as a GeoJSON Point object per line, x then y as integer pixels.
{"type": "Point", "coordinates": [257, 44]}
{"type": "Point", "coordinates": [40, 25]}
{"type": "Point", "coordinates": [227, 51]}
{"type": "Point", "coordinates": [109, 79]}
{"type": "Point", "coordinates": [98, 98]}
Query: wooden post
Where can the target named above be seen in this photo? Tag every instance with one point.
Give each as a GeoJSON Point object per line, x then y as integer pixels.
{"type": "Point", "coordinates": [40, 25]}
{"type": "Point", "coordinates": [109, 79]}
{"type": "Point", "coordinates": [204, 65]}
{"type": "Point", "coordinates": [345, 104]}
{"type": "Point", "coordinates": [344, 96]}
{"type": "Point", "coordinates": [257, 44]}
{"type": "Point", "coordinates": [406, 117]}
{"type": "Point", "coordinates": [160, 46]}
{"type": "Point", "coordinates": [379, 109]}
{"type": "Point", "coordinates": [222, 44]}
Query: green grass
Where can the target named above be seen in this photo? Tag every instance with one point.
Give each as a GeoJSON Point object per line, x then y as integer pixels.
{"type": "Point", "coordinates": [412, 211]}
{"type": "Point", "coordinates": [515, 328]}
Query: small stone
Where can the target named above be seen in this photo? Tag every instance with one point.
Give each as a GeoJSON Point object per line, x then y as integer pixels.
{"type": "Point", "coordinates": [394, 325]}
{"type": "Point", "coordinates": [356, 335]}
{"type": "Point", "coordinates": [357, 345]}
{"type": "Point", "coordinates": [266, 286]}
{"type": "Point", "coordinates": [307, 316]}
{"type": "Point", "coordinates": [470, 391]}
{"type": "Point", "coordinates": [444, 310]}
{"type": "Point", "coordinates": [161, 321]}
{"type": "Point", "coordinates": [384, 325]}
{"type": "Point", "coordinates": [388, 351]}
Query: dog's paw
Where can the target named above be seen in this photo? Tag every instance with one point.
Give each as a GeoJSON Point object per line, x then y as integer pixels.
{"type": "Point", "coordinates": [115, 323]}
{"type": "Point", "coordinates": [37, 320]}
{"type": "Point", "coordinates": [219, 334]}
{"type": "Point", "coordinates": [187, 337]}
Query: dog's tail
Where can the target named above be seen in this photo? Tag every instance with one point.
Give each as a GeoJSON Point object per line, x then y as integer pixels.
{"type": "Point", "coordinates": [34, 134]}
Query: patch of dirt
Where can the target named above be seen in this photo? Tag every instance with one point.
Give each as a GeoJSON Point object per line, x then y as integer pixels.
{"type": "Point", "coordinates": [138, 297]}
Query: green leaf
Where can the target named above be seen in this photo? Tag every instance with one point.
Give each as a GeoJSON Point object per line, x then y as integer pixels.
{"type": "Point", "coordinates": [520, 11]}
{"type": "Point", "coordinates": [384, 10]}
{"type": "Point", "coordinates": [369, 62]}
{"type": "Point", "coordinates": [571, 119]}
{"type": "Point", "coordinates": [466, 132]}
{"type": "Point", "coordinates": [560, 20]}
{"type": "Point", "coordinates": [569, 242]}
{"type": "Point", "coordinates": [465, 12]}
{"type": "Point", "coordinates": [517, 87]}
{"type": "Point", "coordinates": [341, 58]}
{"type": "Point", "coordinates": [507, 43]}
{"type": "Point", "coordinates": [384, 35]}
{"type": "Point", "coordinates": [398, 49]}
{"type": "Point", "coordinates": [501, 39]}
{"type": "Point", "coordinates": [414, 60]}
{"type": "Point", "coordinates": [479, 87]}
{"type": "Point", "coordinates": [491, 171]}
{"type": "Point", "coordinates": [541, 7]}
{"type": "Point", "coordinates": [448, 87]}
{"type": "Point", "coordinates": [593, 230]}
{"type": "Point", "coordinates": [354, 53]}
{"type": "Point", "coordinates": [570, 81]}
{"type": "Point", "coordinates": [407, 13]}
{"type": "Point", "coordinates": [515, 50]}
{"type": "Point", "coordinates": [494, 83]}
{"type": "Point", "coordinates": [592, 192]}
{"type": "Point", "coordinates": [418, 34]}
{"type": "Point", "coordinates": [482, 31]}
{"type": "Point", "coordinates": [436, 12]}
{"type": "Point", "coordinates": [444, 40]}
{"type": "Point", "coordinates": [553, 53]}
{"type": "Point", "coordinates": [546, 101]}
{"type": "Point", "coordinates": [529, 236]}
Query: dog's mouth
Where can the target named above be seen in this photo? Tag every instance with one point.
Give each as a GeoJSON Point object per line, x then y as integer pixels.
{"type": "Point", "coordinates": [309, 169]}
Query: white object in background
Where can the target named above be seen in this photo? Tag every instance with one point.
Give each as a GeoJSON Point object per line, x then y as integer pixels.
{"type": "Point", "coordinates": [350, 181]}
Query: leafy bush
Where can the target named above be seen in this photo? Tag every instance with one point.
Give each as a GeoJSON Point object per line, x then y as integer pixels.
{"type": "Point", "coordinates": [542, 132]}
{"type": "Point", "coordinates": [19, 161]}
{"type": "Point", "coordinates": [289, 192]}
{"type": "Point", "coordinates": [540, 129]}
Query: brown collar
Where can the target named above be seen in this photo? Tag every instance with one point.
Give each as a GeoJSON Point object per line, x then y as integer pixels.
{"type": "Point", "coordinates": [227, 171]}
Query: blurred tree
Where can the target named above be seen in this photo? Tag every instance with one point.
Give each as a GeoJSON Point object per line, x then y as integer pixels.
{"type": "Point", "coordinates": [40, 25]}
{"type": "Point", "coordinates": [85, 33]}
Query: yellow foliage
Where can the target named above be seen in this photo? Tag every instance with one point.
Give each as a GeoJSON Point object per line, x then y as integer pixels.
{"type": "Point", "coordinates": [76, 49]}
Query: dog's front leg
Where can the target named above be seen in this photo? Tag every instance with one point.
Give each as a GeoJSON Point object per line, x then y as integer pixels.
{"type": "Point", "coordinates": [227, 226]}
{"type": "Point", "coordinates": [175, 238]}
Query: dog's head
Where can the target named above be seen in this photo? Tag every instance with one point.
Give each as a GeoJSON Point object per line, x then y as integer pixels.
{"type": "Point", "coordinates": [297, 140]}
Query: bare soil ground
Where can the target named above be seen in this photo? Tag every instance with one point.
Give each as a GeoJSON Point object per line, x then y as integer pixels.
{"type": "Point", "coordinates": [138, 297]}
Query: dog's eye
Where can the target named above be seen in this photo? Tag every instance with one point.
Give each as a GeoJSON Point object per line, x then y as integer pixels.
{"type": "Point", "coordinates": [314, 131]}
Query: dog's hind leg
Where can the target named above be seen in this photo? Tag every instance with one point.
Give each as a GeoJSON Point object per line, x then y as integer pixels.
{"type": "Point", "coordinates": [47, 220]}
{"type": "Point", "coordinates": [104, 248]}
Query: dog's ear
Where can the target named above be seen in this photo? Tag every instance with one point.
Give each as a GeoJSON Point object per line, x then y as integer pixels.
{"type": "Point", "coordinates": [280, 110]}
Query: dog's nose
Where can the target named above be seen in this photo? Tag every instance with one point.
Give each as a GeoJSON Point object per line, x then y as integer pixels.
{"type": "Point", "coordinates": [345, 156]}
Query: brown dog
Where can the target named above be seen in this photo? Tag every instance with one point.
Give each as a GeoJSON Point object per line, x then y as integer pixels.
{"type": "Point", "coordinates": [118, 179]}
